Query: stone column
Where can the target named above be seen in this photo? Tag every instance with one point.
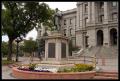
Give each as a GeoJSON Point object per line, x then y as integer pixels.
{"type": "Point", "coordinates": [82, 39]}
{"type": "Point", "coordinates": [79, 39]}
{"type": "Point", "coordinates": [83, 36]}
{"type": "Point", "coordinates": [93, 13]}
{"type": "Point", "coordinates": [67, 30]}
{"type": "Point", "coordinates": [105, 12]}
{"type": "Point", "coordinates": [78, 17]}
{"type": "Point", "coordinates": [46, 49]}
{"type": "Point", "coordinates": [89, 12]}
{"type": "Point", "coordinates": [106, 37]}
{"type": "Point", "coordinates": [67, 49]}
{"type": "Point", "coordinates": [58, 50]}
{"type": "Point", "coordinates": [81, 15]}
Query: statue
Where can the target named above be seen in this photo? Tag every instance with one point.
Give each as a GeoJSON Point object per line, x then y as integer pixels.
{"type": "Point", "coordinates": [57, 19]}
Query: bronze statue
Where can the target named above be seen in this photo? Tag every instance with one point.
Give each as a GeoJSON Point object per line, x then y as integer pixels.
{"type": "Point", "coordinates": [57, 19]}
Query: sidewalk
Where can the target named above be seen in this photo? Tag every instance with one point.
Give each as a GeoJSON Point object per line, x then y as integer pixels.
{"type": "Point", "coordinates": [108, 64]}
{"type": "Point", "coordinates": [6, 73]}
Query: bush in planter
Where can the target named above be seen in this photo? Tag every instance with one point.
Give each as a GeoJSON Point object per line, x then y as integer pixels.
{"type": "Point", "coordinates": [32, 66]}
{"type": "Point", "coordinates": [82, 67]}
{"type": "Point", "coordinates": [78, 68]}
{"type": "Point", "coordinates": [66, 70]}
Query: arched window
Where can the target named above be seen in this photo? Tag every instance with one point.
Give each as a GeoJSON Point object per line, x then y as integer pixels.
{"type": "Point", "coordinates": [113, 36]}
{"type": "Point", "coordinates": [99, 37]}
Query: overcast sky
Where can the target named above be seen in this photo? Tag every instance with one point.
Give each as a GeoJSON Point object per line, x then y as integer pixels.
{"type": "Point", "coordinates": [63, 6]}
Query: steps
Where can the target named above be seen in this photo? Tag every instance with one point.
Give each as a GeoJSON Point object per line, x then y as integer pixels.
{"type": "Point", "coordinates": [101, 51]}
{"type": "Point", "coordinates": [107, 52]}
{"type": "Point", "coordinates": [106, 75]}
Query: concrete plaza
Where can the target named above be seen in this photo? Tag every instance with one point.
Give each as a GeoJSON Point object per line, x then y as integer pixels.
{"type": "Point", "coordinates": [110, 65]}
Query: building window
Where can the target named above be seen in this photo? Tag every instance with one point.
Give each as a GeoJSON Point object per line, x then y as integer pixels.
{"type": "Point", "coordinates": [86, 8]}
{"type": "Point", "coordinates": [114, 16]}
{"type": "Point", "coordinates": [70, 31]}
{"type": "Point", "coordinates": [70, 21]}
{"type": "Point", "coordinates": [64, 22]}
{"type": "Point", "coordinates": [64, 32]}
{"type": "Point", "coordinates": [114, 4]}
{"type": "Point", "coordinates": [101, 18]}
{"type": "Point", "coordinates": [86, 21]}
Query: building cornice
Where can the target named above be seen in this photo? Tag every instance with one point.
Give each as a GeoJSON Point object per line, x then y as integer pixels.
{"type": "Point", "coordinates": [79, 3]}
{"type": "Point", "coordinates": [97, 26]}
{"type": "Point", "coordinates": [69, 11]}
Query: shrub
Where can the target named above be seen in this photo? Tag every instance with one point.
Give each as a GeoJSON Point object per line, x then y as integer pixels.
{"type": "Point", "coordinates": [83, 67]}
{"type": "Point", "coordinates": [64, 70]}
{"type": "Point", "coordinates": [32, 66]}
{"type": "Point", "coordinates": [5, 62]}
{"type": "Point", "coordinates": [78, 68]}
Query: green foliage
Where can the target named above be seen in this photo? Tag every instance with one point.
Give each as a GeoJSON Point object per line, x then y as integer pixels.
{"type": "Point", "coordinates": [32, 66]}
{"type": "Point", "coordinates": [5, 62]}
{"type": "Point", "coordinates": [82, 68]}
{"type": "Point", "coordinates": [18, 18]}
{"type": "Point", "coordinates": [4, 49]}
{"type": "Point", "coordinates": [64, 69]}
{"type": "Point", "coordinates": [14, 48]}
{"type": "Point", "coordinates": [29, 46]}
{"type": "Point", "coordinates": [41, 44]}
{"type": "Point", "coordinates": [78, 68]}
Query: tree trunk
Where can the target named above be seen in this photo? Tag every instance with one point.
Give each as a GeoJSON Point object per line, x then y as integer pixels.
{"type": "Point", "coordinates": [9, 58]}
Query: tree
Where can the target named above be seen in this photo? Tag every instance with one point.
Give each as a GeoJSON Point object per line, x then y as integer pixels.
{"type": "Point", "coordinates": [30, 46]}
{"type": "Point", "coordinates": [41, 44]}
{"type": "Point", "coordinates": [18, 18]}
{"type": "Point", "coordinates": [4, 49]}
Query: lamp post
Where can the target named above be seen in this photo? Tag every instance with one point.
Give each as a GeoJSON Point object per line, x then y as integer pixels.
{"type": "Point", "coordinates": [18, 39]}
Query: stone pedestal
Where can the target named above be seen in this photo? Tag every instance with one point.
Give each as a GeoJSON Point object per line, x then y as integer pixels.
{"type": "Point", "coordinates": [56, 48]}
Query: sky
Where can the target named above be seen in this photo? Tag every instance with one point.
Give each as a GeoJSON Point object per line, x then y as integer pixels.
{"type": "Point", "coordinates": [62, 6]}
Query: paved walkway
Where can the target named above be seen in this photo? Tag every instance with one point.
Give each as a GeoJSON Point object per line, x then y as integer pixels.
{"type": "Point", "coordinates": [6, 71]}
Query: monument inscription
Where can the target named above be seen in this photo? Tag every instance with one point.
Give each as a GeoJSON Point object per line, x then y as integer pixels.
{"type": "Point", "coordinates": [51, 50]}
{"type": "Point", "coordinates": [63, 50]}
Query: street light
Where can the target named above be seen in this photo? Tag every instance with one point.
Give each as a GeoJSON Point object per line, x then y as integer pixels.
{"type": "Point", "coordinates": [18, 39]}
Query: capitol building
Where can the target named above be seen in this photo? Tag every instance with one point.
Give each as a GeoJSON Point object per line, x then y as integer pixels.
{"type": "Point", "coordinates": [90, 24]}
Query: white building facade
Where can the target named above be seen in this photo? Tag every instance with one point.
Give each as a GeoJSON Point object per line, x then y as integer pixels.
{"type": "Point", "coordinates": [91, 24]}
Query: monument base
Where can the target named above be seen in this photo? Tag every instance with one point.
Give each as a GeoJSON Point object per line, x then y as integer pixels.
{"type": "Point", "coordinates": [56, 33]}
{"type": "Point", "coordinates": [56, 48]}
{"type": "Point", "coordinates": [55, 64]}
